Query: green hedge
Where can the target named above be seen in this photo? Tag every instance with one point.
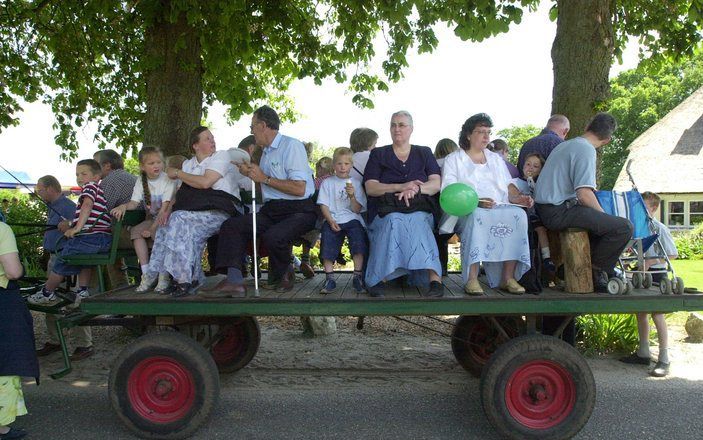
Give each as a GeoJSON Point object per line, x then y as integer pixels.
{"type": "Point", "coordinates": [25, 208]}
{"type": "Point", "coordinates": [690, 244]}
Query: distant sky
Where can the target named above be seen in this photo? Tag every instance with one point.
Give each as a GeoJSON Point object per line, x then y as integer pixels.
{"type": "Point", "coordinates": [508, 76]}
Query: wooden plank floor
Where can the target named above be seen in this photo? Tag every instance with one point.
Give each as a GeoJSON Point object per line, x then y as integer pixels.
{"type": "Point", "coordinates": [309, 289]}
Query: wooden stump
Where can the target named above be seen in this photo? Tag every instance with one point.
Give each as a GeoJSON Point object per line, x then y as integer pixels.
{"type": "Point", "coordinates": [576, 256]}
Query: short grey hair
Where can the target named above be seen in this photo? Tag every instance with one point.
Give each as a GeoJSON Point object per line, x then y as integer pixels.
{"type": "Point", "coordinates": [404, 113]}
{"type": "Point", "coordinates": [558, 121]}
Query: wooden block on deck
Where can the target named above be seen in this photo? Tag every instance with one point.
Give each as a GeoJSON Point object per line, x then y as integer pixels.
{"type": "Point", "coordinates": [576, 257]}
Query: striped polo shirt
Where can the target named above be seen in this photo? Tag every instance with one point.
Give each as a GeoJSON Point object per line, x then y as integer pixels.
{"type": "Point", "coordinates": [99, 220]}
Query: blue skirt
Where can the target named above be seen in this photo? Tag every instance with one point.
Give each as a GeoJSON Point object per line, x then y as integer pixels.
{"type": "Point", "coordinates": [493, 236]}
{"type": "Point", "coordinates": [399, 244]}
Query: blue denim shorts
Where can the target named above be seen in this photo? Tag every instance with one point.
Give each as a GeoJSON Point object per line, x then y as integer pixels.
{"type": "Point", "coordinates": [332, 241]}
{"type": "Point", "coordinates": [97, 243]}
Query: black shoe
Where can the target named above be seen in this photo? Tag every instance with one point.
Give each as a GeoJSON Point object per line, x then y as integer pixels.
{"type": "Point", "coordinates": [185, 289]}
{"type": "Point", "coordinates": [635, 359]}
{"type": "Point", "coordinates": [661, 369]}
{"type": "Point", "coordinates": [377, 291]}
{"type": "Point", "coordinates": [600, 281]}
{"type": "Point", "coordinates": [48, 349]}
{"type": "Point", "coordinates": [81, 353]}
{"type": "Point", "coordinates": [13, 433]}
{"type": "Point", "coordinates": [436, 290]}
{"type": "Point", "coordinates": [549, 266]}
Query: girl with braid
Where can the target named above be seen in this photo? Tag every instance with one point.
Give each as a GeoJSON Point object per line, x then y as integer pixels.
{"type": "Point", "coordinates": [155, 190]}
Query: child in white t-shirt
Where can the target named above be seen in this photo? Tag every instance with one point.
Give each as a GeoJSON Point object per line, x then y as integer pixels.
{"type": "Point", "coordinates": [341, 201]}
{"type": "Point", "coordinates": [155, 189]}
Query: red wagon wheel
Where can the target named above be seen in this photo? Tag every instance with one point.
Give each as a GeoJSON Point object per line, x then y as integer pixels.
{"type": "Point", "coordinates": [164, 386]}
{"type": "Point", "coordinates": [476, 338]}
{"type": "Point", "coordinates": [537, 387]}
{"type": "Point", "coordinates": [237, 343]}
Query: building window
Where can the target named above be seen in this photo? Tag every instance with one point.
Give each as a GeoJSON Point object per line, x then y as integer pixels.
{"type": "Point", "coordinates": [676, 214]}
{"type": "Point", "coordinates": [695, 210]}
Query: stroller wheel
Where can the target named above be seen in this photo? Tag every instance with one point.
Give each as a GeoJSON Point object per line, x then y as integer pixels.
{"type": "Point", "coordinates": [616, 286]}
{"type": "Point", "coordinates": [629, 288]}
{"type": "Point", "coordinates": [678, 286]}
{"type": "Point", "coordinates": [647, 282]}
{"type": "Point", "coordinates": [665, 286]}
{"type": "Point", "coordinates": [637, 280]}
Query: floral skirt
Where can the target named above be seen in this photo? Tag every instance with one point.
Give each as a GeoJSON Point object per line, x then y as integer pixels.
{"type": "Point", "coordinates": [11, 399]}
{"type": "Point", "coordinates": [400, 244]}
{"type": "Point", "coordinates": [493, 236]}
{"type": "Point", "coordinates": [178, 246]}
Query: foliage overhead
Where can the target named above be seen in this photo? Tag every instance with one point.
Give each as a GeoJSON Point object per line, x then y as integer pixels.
{"type": "Point", "coordinates": [639, 99]}
{"type": "Point", "coordinates": [86, 58]}
{"type": "Point", "coordinates": [516, 136]}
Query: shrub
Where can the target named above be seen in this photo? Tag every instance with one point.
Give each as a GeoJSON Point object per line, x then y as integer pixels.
{"type": "Point", "coordinates": [690, 244]}
{"type": "Point", "coordinates": [599, 334]}
{"type": "Point", "coordinates": [26, 209]}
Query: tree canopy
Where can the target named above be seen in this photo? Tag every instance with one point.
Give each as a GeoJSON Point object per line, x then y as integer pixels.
{"type": "Point", "coordinates": [144, 70]}
{"type": "Point", "coordinates": [640, 98]}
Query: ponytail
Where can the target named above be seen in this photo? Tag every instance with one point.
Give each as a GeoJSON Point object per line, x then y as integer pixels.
{"type": "Point", "coordinates": [147, 193]}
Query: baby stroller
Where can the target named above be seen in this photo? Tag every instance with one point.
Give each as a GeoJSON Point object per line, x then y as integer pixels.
{"type": "Point", "coordinates": [645, 244]}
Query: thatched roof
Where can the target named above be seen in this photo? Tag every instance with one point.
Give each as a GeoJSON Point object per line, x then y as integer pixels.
{"type": "Point", "coordinates": [668, 158]}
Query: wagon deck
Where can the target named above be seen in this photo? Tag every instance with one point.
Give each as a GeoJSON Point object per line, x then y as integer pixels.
{"type": "Point", "coordinates": [305, 299]}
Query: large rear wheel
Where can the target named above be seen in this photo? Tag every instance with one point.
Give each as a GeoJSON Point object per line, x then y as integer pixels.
{"type": "Point", "coordinates": [537, 387]}
{"type": "Point", "coordinates": [164, 386]}
{"type": "Point", "coordinates": [476, 338]}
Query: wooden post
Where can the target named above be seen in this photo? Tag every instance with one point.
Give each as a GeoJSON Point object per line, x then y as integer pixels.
{"type": "Point", "coordinates": [576, 255]}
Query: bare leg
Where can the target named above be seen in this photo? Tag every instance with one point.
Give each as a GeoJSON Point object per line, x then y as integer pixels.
{"type": "Point", "coordinates": [508, 270]}
{"type": "Point", "coordinates": [84, 277]}
{"type": "Point", "coordinates": [329, 265]}
{"type": "Point", "coordinates": [473, 272]}
{"type": "Point", "coordinates": [542, 238]}
{"type": "Point", "coordinates": [662, 335]}
{"type": "Point", "coordinates": [142, 250]}
{"type": "Point", "coordinates": [53, 281]}
{"type": "Point", "coordinates": [358, 260]}
{"type": "Point", "coordinates": [643, 331]}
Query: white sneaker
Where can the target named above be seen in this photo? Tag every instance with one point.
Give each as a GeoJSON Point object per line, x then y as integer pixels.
{"type": "Point", "coordinates": [296, 262]}
{"type": "Point", "coordinates": [164, 282]}
{"type": "Point", "coordinates": [147, 283]}
{"type": "Point", "coordinates": [42, 298]}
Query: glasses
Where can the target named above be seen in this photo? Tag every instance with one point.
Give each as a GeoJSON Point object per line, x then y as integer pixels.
{"type": "Point", "coordinates": [483, 132]}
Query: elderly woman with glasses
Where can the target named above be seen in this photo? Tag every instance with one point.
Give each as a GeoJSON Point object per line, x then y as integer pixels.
{"type": "Point", "coordinates": [401, 180]}
{"type": "Point", "coordinates": [495, 234]}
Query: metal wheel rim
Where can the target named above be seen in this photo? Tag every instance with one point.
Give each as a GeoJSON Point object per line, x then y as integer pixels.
{"type": "Point", "coordinates": [540, 394]}
{"type": "Point", "coordinates": [229, 345]}
{"type": "Point", "coordinates": [160, 389]}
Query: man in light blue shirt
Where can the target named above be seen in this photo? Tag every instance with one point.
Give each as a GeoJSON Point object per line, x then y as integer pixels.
{"type": "Point", "coordinates": [288, 211]}
{"type": "Point", "coordinates": [565, 198]}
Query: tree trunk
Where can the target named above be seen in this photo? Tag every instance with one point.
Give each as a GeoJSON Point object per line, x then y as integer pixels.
{"type": "Point", "coordinates": [174, 91]}
{"type": "Point", "coordinates": [581, 55]}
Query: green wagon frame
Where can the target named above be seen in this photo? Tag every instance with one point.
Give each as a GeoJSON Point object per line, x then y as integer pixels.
{"type": "Point", "coordinates": [165, 384]}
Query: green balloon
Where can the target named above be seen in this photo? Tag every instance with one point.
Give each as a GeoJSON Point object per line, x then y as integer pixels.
{"type": "Point", "coordinates": [458, 199]}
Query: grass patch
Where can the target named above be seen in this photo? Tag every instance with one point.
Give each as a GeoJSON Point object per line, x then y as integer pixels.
{"type": "Point", "coordinates": [691, 271]}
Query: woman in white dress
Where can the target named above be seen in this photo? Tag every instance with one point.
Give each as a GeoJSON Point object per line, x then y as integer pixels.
{"type": "Point", "coordinates": [495, 234]}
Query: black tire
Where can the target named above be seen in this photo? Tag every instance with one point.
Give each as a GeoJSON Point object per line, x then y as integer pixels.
{"type": "Point", "coordinates": [537, 387]}
{"type": "Point", "coordinates": [237, 343]}
{"type": "Point", "coordinates": [164, 386]}
{"type": "Point", "coordinates": [232, 341]}
{"type": "Point", "coordinates": [475, 339]}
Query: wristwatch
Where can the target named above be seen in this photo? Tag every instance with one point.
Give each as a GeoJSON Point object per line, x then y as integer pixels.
{"type": "Point", "coordinates": [268, 179]}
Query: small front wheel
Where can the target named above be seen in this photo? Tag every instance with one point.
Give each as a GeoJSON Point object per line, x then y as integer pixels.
{"type": "Point", "coordinates": [647, 281]}
{"type": "Point", "coordinates": [616, 286]}
{"type": "Point", "coordinates": [678, 286]}
{"type": "Point", "coordinates": [665, 286]}
{"type": "Point", "coordinates": [637, 280]}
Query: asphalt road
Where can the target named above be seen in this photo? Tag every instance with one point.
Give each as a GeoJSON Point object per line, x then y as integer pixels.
{"type": "Point", "coordinates": [342, 404]}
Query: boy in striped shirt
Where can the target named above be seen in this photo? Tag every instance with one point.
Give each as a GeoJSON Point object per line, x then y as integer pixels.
{"type": "Point", "coordinates": [89, 233]}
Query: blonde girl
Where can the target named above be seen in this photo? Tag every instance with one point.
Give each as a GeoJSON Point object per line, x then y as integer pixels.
{"type": "Point", "coordinates": [155, 190]}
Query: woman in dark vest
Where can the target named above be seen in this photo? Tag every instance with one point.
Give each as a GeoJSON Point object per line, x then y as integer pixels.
{"type": "Point", "coordinates": [17, 355]}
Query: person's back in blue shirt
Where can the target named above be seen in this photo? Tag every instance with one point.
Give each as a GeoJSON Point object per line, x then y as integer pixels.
{"type": "Point", "coordinates": [60, 209]}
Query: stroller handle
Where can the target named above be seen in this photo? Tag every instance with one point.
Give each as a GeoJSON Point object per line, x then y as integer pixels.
{"type": "Point", "coordinates": [629, 174]}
